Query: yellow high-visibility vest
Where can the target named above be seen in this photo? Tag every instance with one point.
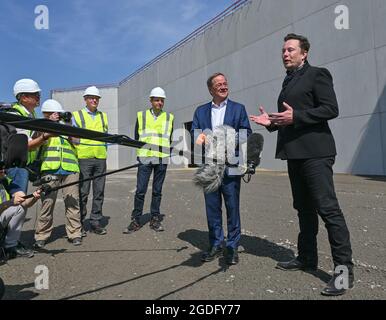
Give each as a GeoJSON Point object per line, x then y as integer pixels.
{"type": "Point", "coordinates": [90, 149]}
{"type": "Point", "coordinates": [31, 153]}
{"type": "Point", "coordinates": [156, 132]}
{"type": "Point", "coordinates": [4, 195]}
{"type": "Point", "coordinates": [57, 153]}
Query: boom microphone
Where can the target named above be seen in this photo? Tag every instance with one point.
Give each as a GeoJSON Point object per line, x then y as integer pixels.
{"type": "Point", "coordinates": [255, 145]}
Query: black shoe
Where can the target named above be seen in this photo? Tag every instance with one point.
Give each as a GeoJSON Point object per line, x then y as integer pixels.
{"type": "Point", "coordinates": [19, 251]}
{"type": "Point", "coordinates": [133, 226]}
{"type": "Point", "coordinates": [232, 256]}
{"type": "Point", "coordinates": [97, 229]}
{"type": "Point", "coordinates": [335, 286]}
{"type": "Point", "coordinates": [155, 224]}
{"type": "Point", "coordinates": [295, 265]}
{"type": "Point", "coordinates": [212, 254]}
{"type": "Point", "coordinates": [76, 241]}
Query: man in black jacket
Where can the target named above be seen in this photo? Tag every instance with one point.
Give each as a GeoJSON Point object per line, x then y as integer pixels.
{"type": "Point", "coordinates": [306, 102]}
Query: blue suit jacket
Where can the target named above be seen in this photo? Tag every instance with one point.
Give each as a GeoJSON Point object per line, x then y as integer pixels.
{"type": "Point", "coordinates": [235, 117]}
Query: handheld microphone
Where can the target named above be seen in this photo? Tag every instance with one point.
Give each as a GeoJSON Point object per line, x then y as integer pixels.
{"type": "Point", "coordinates": [255, 145]}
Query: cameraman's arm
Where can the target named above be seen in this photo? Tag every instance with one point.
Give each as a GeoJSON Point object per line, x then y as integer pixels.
{"type": "Point", "coordinates": [40, 138]}
{"type": "Point", "coordinates": [35, 143]}
{"type": "Point", "coordinates": [31, 201]}
{"type": "Point", "coordinates": [16, 200]}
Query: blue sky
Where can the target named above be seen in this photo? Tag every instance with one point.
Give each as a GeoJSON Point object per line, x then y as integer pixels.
{"type": "Point", "coordinates": [91, 42]}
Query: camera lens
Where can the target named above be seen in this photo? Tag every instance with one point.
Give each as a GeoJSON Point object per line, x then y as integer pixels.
{"type": "Point", "coordinates": [66, 116]}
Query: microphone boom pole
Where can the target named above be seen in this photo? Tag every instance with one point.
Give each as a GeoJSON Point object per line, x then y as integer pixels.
{"type": "Point", "coordinates": [47, 189]}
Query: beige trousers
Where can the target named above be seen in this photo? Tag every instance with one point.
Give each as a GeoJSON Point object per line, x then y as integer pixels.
{"type": "Point", "coordinates": [45, 218]}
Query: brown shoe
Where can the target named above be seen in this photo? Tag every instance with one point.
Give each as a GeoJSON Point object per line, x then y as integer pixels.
{"type": "Point", "coordinates": [133, 226]}
{"type": "Point", "coordinates": [155, 224]}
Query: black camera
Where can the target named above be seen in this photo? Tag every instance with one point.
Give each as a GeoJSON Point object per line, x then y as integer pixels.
{"type": "Point", "coordinates": [65, 116]}
{"type": "Point", "coordinates": [13, 146]}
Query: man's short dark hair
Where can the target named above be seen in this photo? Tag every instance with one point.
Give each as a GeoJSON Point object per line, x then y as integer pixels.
{"type": "Point", "coordinates": [209, 83]}
{"type": "Point", "coordinates": [304, 43]}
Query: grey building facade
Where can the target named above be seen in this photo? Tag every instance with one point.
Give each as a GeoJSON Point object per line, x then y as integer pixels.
{"type": "Point", "coordinates": [245, 44]}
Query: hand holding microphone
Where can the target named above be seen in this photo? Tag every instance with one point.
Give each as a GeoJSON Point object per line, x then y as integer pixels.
{"type": "Point", "coordinates": [202, 139]}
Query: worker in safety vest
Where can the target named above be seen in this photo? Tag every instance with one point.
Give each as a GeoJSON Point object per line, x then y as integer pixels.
{"type": "Point", "coordinates": [27, 93]}
{"type": "Point", "coordinates": [92, 157]}
{"type": "Point", "coordinates": [154, 126]}
{"type": "Point", "coordinates": [60, 163]}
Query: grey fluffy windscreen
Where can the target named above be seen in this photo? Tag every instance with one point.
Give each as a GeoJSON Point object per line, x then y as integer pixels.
{"type": "Point", "coordinates": [220, 147]}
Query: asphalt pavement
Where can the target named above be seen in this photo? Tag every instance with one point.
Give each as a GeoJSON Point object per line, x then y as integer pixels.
{"type": "Point", "coordinates": [167, 265]}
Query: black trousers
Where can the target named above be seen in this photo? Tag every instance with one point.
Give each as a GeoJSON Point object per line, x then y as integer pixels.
{"type": "Point", "coordinates": [314, 194]}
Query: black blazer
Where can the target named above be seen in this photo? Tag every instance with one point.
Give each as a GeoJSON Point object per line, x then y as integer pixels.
{"type": "Point", "coordinates": [311, 94]}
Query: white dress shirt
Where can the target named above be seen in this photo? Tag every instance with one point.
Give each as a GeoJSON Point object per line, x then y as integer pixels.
{"type": "Point", "coordinates": [218, 113]}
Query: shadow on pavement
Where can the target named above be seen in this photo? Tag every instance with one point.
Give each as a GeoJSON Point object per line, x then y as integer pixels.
{"type": "Point", "coordinates": [28, 238]}
{"type": "Point", "coordinates": [252, 245]}
{"type": "Point", "coordinates": [120, 283]}
{"type": "Point", "coordinates": [15, 292]}
{"type": "Point", "coordinates": [374, 178]}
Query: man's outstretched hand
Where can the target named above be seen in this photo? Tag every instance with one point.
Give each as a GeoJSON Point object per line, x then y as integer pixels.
{"type": "Point", "coordinates": [263, 119]}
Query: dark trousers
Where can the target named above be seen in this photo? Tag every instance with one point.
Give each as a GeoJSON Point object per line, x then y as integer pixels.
{"type": "Point", "coordinates": [91, 168]}
{"type": "Point", "coordinates": [314, 194]}
{"type": "Point", "coordinates": [143, 177]}
{"type": "Point", "coordinates": [230, 190]}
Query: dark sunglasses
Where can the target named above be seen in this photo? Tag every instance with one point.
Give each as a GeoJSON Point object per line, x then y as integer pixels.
{"type": "Point", "coordinates": [34, 94]}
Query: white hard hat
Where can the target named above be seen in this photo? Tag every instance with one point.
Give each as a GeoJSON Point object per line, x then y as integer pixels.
{"type": "Point", "coordinates": [25, 86]}
{"type": "Point", "coordinates": [92, 91]}
{"type": "Point", "coordinates": [157, 93]}
{"type": "Point", "coordinates": [51, 105]}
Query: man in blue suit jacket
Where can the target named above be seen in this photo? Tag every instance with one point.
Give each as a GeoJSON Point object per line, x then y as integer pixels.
{"type": "Point", "coordinates": [221, 111]}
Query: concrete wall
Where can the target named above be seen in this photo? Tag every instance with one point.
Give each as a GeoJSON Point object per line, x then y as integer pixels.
{"type": "Point", "coordinates": [246, 46]}
{"type": "Point", "coordinates": [72, 100]}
